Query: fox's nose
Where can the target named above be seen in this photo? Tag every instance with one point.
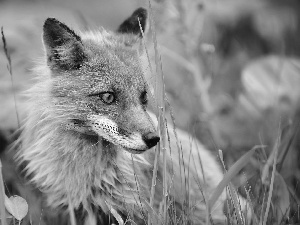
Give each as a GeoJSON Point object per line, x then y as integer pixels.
{"type": "Point", "coordinates": [151, 139]}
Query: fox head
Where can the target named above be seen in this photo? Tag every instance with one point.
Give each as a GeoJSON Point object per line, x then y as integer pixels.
{"type": "Point", "coordinates": [97, 82]}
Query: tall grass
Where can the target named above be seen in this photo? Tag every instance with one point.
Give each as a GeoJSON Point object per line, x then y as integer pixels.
{"type": "Point", "coordinates": [2, 198]}
{"type": "Point", "coordinates": [166, 213]}
{"type": "Point", "coordinates": [160, 104]}
{"type": "Point", "coordinates": [160, 99]}
{"type": "Point", "coordinates": [250, 215]}
{"type": "Point", "coordinates": [9, 68]}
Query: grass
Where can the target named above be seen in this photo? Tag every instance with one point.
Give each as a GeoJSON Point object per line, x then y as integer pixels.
{"type": "Point", "coordinates": [2, 198]}
{"type": "Point", "coordinates": [255, 212]}
{"type": "Point", "coordinates": [262, 217]}
{"type": "Point", "coordinates": [9, 68]}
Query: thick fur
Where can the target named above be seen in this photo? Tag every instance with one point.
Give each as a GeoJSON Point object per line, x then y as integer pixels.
{"type": "Point", "coordinates": [78, 145]}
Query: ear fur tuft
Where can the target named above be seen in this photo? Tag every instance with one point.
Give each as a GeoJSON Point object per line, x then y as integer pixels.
{"type": "Point", "coordinates": [63, 46]}
{"type": "Point", "coordinates": [132, 24]}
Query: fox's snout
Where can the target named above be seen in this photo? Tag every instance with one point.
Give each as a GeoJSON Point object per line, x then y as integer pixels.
{"type": "Point", "coordinates": [151, 139]}
{"type": "Point", "coordinates": [133, 140]}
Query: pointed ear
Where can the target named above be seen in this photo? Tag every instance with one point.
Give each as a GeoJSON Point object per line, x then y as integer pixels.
{"type": "Point", "coordinates": [134, 24]}
{"type": "Point", "coordinates": [64, 48]}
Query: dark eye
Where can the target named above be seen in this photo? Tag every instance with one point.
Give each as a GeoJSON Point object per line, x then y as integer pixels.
{"type": "Point", "coordinates": [144, 98]}
{"type": "Point", "coordinates": [107, 97]}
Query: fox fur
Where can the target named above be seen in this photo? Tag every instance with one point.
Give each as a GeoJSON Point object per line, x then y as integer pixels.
{"type": "Point", "coordinates": [87, 123]}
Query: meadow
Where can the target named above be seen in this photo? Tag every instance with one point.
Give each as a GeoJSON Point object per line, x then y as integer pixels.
{"type": "Point", "coordinates": [227, 72]}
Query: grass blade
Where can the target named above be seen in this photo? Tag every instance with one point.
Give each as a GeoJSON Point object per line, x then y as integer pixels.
{"type": "Point", "coordinates": [160, 99]}
{"type": "Point", "coordinates": [9, 67]}
{"type": "Point", "coordinates": [2, 198]}
{"type": "Point", "coordinates": [232, 172]}
{"type": "Point", "coordinates": [236, 204]}
{"type": "Point", "coordinates": [272, 180]}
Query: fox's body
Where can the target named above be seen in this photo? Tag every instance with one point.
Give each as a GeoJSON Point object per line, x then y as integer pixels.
{"type": "Point", "coordinates": [87, 115]}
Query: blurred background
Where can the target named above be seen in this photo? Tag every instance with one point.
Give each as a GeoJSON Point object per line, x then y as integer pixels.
{"type": "Point", "coordinates": [231, 70]}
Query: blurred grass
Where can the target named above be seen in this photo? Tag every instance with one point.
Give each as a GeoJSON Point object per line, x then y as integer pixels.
{"type": "Point", "coordinates": [264, 210]}
{"type": "Point", "coordinates": [2, 197]}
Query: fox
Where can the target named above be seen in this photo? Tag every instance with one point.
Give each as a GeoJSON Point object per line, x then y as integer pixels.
{"type": "Point", "coordinates": [88, 140]}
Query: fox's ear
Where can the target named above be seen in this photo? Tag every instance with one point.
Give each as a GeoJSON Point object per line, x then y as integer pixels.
{"type": "Point", "coordinates": [63, 47]}
{"type": "Point", "coordinates": [134, 24]}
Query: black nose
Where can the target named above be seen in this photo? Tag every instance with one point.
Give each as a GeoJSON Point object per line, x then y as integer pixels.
{"type": "Point", "coordinates": [151, 139]}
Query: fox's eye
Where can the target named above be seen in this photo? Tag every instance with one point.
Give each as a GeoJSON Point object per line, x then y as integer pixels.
{"type": "Point", "coordinates": [144, 98]}
{"type": "Point", "coordinates": [107, 97]}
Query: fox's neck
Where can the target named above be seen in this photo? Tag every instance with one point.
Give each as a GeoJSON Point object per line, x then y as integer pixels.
{"type": "Point", "coordinates": [74, 168]}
